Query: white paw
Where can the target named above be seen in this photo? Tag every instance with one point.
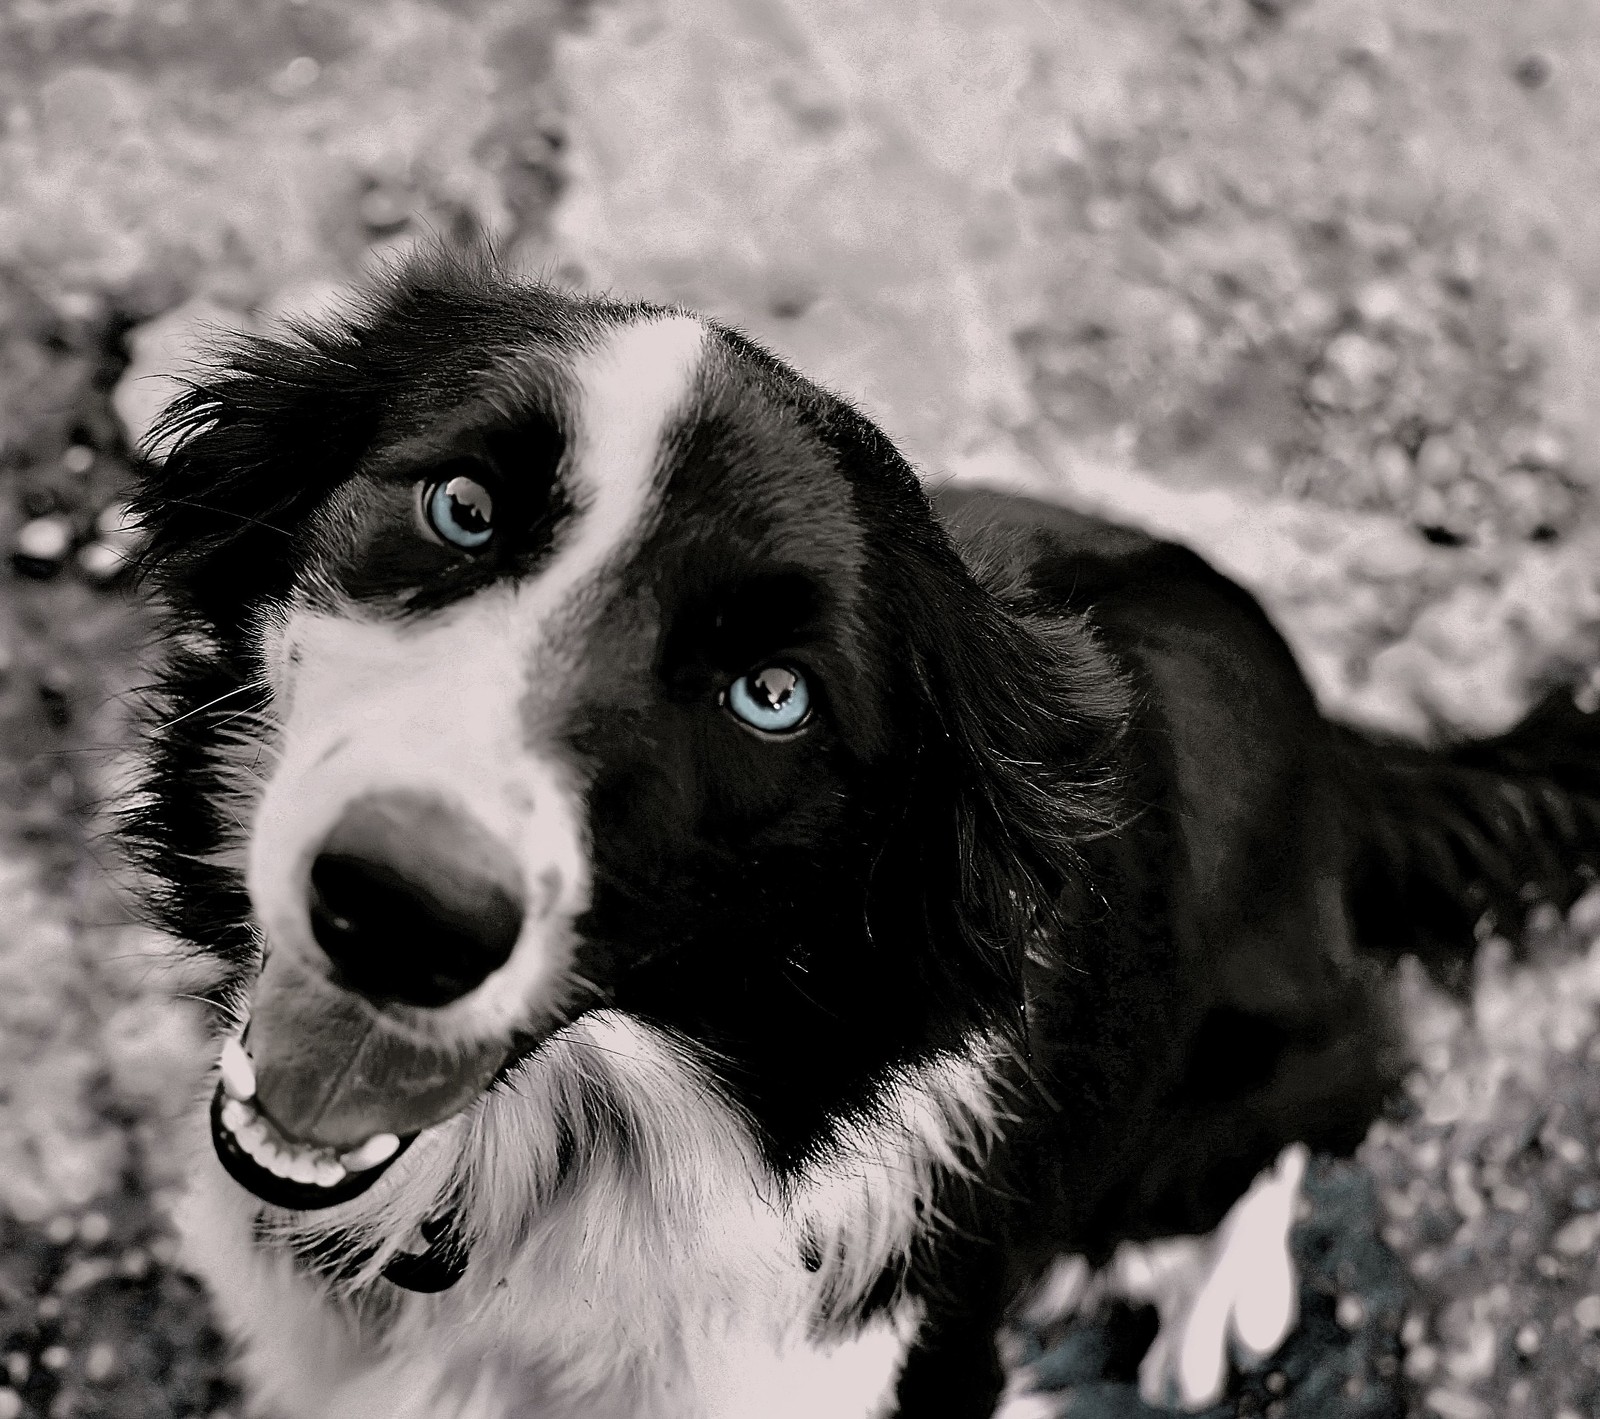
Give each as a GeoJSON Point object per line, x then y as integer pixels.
{"type": "Point", "coordinates": [1236, 1285]}
{"type": "Point", "coordinates": [1027, 1404]}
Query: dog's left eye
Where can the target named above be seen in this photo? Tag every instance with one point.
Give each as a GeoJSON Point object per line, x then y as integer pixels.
{"type": "Point", "coordinates": [774, 699]}
{"type": "Point", "coordinates": [459, 510]}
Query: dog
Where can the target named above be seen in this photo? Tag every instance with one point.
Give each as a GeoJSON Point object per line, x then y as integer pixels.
{"type": "Point", "coordinates": [697, 925]}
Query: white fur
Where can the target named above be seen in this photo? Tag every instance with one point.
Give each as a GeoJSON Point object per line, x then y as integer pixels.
{"type": "Point", "coordinates": [663, 1278]}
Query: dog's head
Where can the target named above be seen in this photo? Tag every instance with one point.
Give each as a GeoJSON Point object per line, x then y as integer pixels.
{"type": "Point", "coordinates": [533, 655]}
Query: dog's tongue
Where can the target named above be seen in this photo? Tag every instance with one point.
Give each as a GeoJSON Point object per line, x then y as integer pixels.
{"type": "Point", "coordinates": [331, 1070]}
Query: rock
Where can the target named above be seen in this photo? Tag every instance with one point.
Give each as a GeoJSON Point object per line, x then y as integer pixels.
{"type": "Point", "coordinates": [385, 208]}
{"type": "Point", "coordinates": [1176, 188]}
{"type": "Point", "coordinates": [1356, 367]}
{"type": "Point", "coordinates": [1533, 504]}
{"type": "Point", "coordinates": [101, 563]}
{"type": "Point", "coordinates": [42, 545]}
{"type": "Point", "coordinates": [1449, 1404]}
{"type": "Point", "coordinates": [1439, 460]}
{"type": "Point", "coordinates": [1381, 305]}
{"type": "Point", "coordinates": [1534, 448]}
{"type": "Point", "coordinates": [1578, 1236]}
{"type": "Point", "coordinates": [104, 559]}
{"type": "Point", "coordinates": [1392, 473]}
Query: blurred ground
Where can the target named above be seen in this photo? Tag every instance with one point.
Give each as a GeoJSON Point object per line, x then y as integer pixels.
{"type": "Point", "coordinates": [1308, 283]}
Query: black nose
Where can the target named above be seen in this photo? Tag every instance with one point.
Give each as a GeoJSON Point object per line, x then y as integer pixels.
{"type": "Point", "coordinates": [413, 901]}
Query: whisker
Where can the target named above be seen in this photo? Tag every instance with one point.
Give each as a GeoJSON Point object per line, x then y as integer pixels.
{"type": "Point", "coordinates": [229, 512]}
{"type": "Point", "coordinates": [198, 709]}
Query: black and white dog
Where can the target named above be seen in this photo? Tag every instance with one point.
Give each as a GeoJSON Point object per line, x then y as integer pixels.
{"type": "Point", "coordinates": [697, 927]}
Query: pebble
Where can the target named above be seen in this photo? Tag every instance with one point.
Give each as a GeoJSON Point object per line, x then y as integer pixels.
{"type": "Point", "coordinates": [1176, 187]}
{"type": "Point", "coordinates": [1421, 1362]}
{"type": "Point", "coordinates": [1528, 1340]}
{"type": "Point", "coordinates": [1587, 1312]}
{"type": "Point", "coordinates": [1350, 1312]}
{"type": "Point", "coordinates": [10, 1404]}
{"type": "Point", "coordinates": [1439, 461]}
{"type": "Point", "coordinates": [1474, 1361]}
{"type": "Point", "coordinates": [1511, 1199]}
{"type": "Point", "coordinates": [1360, 365]}
{"type": "Point", "coordinates": [1527, 501]}
{"type": "Point", "coordinates": [17, 1368]}
{"type": "Point", "coordinates": [94, 1228]}
{"type": "Point", "coordinates": [1563, 1145]}
{"type": "Point", "coordinates": [298, 75]}
{"type": "Point", "coordinates": [1450, 1405]}
{"type": "Point", "coordinates": [101, 562]}
{"type": "Point", "coordinates": [1392, 471]}
{"type": "Point", "coordinates": [1310, 314]}
{"type": "Point", "coordinates": [55, 1357]}
{"type": "Point", "coordinates": [1534, 447]}
{"type": "Point", "coordinates": [1578, 1236]}
{"type": "Point", "coordinates": [85, 1272]}
{"type": "Point", "coordinates": [42, 545]}
{"type": "Point", "coordinates": [100, 1363]}
{"type": "Point", "coordinates": [1380, 304]}
{"type": "Point", "coordinates": [61, 1230]}
{"type": "Point", "coordinates": [384, 209]}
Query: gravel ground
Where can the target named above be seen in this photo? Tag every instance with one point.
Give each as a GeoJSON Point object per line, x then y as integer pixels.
{"type": "Point", "coordinates": [1302, 281]}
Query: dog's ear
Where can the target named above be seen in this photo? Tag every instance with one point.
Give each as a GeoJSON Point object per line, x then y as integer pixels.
{"type": "Point", "coordinates": [257, 437]}
{"type": "Point", "coordinates": [1016, 770]}
{"type": "Point", "coordinates": [1010, 716]}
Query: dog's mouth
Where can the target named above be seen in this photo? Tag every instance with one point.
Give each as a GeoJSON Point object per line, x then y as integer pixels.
{"type": "Point", "coordinates": [265, 1161]}
{"type": "Point", "coordinates": [324, 1092]}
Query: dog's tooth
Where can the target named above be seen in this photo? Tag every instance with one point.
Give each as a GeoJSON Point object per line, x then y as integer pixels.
{"type": "Point", "coordinates": [377, 1149]}
{"type": "Point", "coordinates": [302, 1168]}
{"type": "Point", "coordinates": [274, 1160]}
{"type": "Point", "coordinates": [238, 1071]}
{"type": "Point", "coordinates": [328, 1174]}
{"type": "Point", "coordinates": [234, 1116]}
{"type": "Point", "coordinates": [252, 1133]}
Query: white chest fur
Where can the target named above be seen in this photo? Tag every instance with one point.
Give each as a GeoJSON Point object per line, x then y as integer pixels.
{"type": "Point", "coordinates": [664, 1277]}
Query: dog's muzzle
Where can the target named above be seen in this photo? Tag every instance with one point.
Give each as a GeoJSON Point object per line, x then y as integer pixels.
{"type": "Point", "coordinates": [413, 905]}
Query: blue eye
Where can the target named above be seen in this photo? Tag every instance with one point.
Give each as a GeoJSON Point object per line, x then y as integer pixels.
{"type": "Point", "coordinates": [460, 511]}
{"type": "Point", "coordinates": [773, 699]}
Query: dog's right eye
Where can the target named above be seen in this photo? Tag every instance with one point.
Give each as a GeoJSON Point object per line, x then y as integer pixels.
{"type": "Point", "coordinates": [459, 511]}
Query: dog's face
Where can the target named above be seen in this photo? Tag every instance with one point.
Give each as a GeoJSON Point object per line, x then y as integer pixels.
{"type": "Point", "coordinates": [588, 659]}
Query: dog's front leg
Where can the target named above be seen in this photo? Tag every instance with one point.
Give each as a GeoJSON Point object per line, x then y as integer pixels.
{"type": "Point", "coordinates": [953, 1368]}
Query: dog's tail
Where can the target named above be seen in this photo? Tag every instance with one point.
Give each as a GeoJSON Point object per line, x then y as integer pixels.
{"type": "Point", "coordinates": [1474, 833]}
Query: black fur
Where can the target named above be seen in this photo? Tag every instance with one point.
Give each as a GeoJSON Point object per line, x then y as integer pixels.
{"type": "Point", "coordinates": [1064, 780]}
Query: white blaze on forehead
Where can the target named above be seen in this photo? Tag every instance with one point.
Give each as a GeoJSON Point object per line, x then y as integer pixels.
{"type": "Point", "coordinates": [627, 393]}
{"type": "Point", "coordinates": [369, 704]}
